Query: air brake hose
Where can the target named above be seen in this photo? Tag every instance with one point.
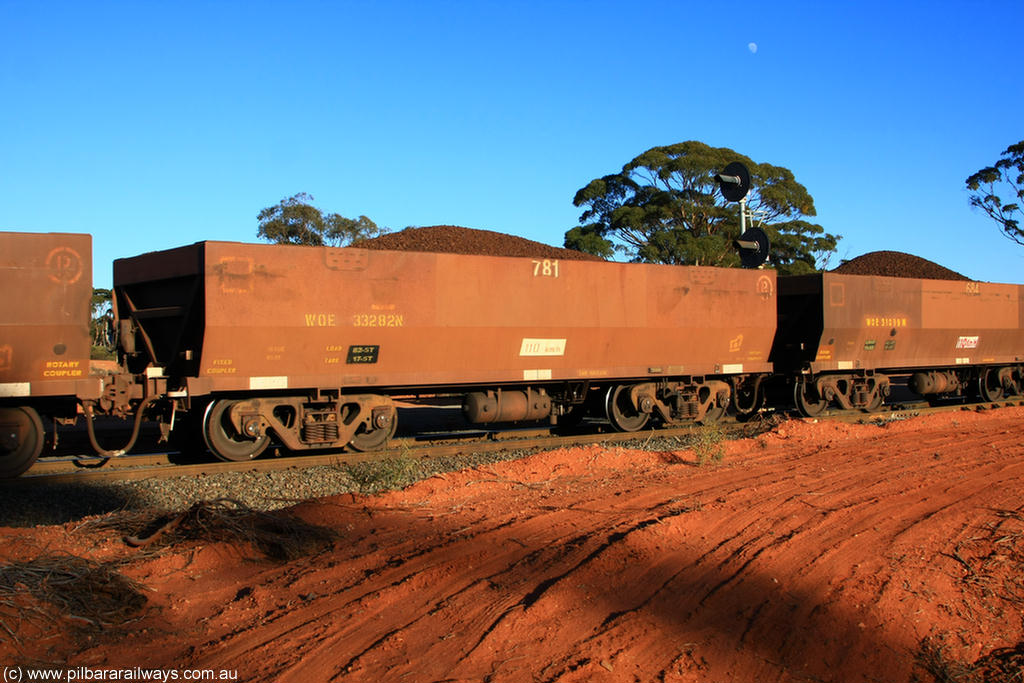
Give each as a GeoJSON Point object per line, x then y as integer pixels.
{"type": "Point", "coordinates": [87, 406]}
{"type": "Point", "coordinates": [753, 403]}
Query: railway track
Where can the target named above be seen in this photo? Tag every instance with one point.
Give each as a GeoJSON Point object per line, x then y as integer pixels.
{"type": "Point", "coordinates": [127, 468]}
{"type": "Point", "coordinates": [83, 468]}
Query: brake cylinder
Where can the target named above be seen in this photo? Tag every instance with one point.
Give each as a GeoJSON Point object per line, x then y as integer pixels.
{"type": "Point", "coordinates": [484, 407]}
{"type": "Point", "coordinates": [925, 383]}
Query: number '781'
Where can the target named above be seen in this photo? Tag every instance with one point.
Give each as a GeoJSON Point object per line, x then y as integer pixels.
{"type": "Point", "coordinates": [545, 268]}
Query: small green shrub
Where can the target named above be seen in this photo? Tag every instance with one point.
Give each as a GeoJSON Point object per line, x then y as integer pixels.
{"type": "Point", "coordinates": [390, 472]}
{"type": "Point", "coordinates": [709, 444]}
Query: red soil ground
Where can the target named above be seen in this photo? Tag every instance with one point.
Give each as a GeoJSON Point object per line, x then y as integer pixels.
{"type": "Point", "coordinates": [818, 552]}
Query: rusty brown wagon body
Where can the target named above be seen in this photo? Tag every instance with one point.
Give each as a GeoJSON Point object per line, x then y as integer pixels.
{"type": "Point", "coordinates": [45, 342]}
{"type": "Point", "coordinates": [46, 280]}
{"type": "Point", "coordinates": [310, 343]}
{"type": "Point", "coordinates": [842, 335]}
{"type": "Point", "coordinates": [46, 286]}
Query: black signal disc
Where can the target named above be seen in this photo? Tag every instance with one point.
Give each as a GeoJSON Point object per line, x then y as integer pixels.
{"type": "Point", "coordinates": [735, 191]}
{"type": "Point", "coordinates": [753, 257]}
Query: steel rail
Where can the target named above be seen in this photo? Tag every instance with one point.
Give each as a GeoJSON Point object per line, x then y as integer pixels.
{"type": "Point", "coordinates": [158, 465]}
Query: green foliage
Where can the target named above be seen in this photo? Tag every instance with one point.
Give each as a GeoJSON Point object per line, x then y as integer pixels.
{"type": "Point", "coordinates": [709, 444]}
{"type": "Point", "coordinates": [99, 352]}
{"type": "Point", "coordinates": [1006, 177]}
{"type": "Point", "coordinates": [391, 472]}
{"type": "Point", "coordinates": [101, 301]}
{"type": "Point", "coordinates": [665, 207]}
{"type": "Point", "coordinates": [296, 221]}
{"type": "Point", "coordinates": [101, 325]}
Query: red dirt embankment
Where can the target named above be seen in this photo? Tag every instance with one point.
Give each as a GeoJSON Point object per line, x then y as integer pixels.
{"type": "Point", "coordinates": [817, 552]}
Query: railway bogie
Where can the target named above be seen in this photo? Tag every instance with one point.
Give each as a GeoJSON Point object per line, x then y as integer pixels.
{"type": "Point", "coordinates": [242, 428]}
{"type": "Point", "coordinates": [690, 400]}
{"type": "Point", "coordinates": [862, 391]}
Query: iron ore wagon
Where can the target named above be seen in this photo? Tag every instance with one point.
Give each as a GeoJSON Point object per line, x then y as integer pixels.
{"type": "Point", "coordinates": [310, 345]}
{"type": "Point", "coordinates": [841, 337]}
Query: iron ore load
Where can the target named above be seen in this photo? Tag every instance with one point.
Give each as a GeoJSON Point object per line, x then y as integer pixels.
{"type": "Point", "coordinates": [308, 348]}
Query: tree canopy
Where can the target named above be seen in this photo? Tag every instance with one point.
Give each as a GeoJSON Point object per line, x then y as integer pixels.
{"type": "Point", "coordinates": [665, 207]}
{"type": "Point", "coordinates": [101, 324]}
{"type": "Point", "coordinates": [1006, 176]}
{"type": "Point", "coordinates": [296, 221]}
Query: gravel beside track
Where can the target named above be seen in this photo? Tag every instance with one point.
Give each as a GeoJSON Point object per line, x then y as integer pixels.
{"type": "Point", "coordinates": [59, 503]}
{"type": "Point", "coordinates": [63, 502]}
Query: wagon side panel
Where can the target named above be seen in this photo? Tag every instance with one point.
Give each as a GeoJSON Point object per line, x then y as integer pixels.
{"type": "Point", "coordinates": [46, 279]}
{"type": "Point", "coordinates": [283, 317]}
{"type": "Point", "coordinates": [893, 323]}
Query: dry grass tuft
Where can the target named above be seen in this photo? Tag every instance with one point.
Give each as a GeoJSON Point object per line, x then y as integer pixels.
{"type": "Point", "coordinates": [384, 474]}
{"type": "Point", "coordinates": [1003, 665]}
{"type": "Point", "coordinates": [992, 572]}
{"type": "Point", "coordinates": [278, 535]}
{"type": "Point", "coordinates": [993, 561]}
{"type": "Point", "coordinates": [933, 658]}
{"type": "Point", "coordinates": [89, 594]}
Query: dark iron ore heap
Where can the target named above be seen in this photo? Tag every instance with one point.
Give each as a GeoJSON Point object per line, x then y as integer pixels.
{"type": "Point", "coordinates": [897, 264]}
{"type": "Point", "coordinates": [451, 239]}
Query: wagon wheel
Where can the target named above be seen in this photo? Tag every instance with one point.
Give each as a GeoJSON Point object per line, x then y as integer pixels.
{"type": "Point", "coordinates": [879, 390]}
{"type": "Point", "coordinates": [621, 412]}
{"type": "Point", "coordinates": [224, 441]}
{"type": "Point", "coordinates": [1014, 388]}
{"type": "Point", "coordinates": [989, 385]}
{"type": "Point", "coordinates": [21, 440]}
{"type": "Point", "coordinates": [713, 414]}
{"type": "Point", "coordinates": [877, 399]}
{"type": "Point", "coordinates": [374, 439]}
{"type": "Point", "coordinates": [807, 399]}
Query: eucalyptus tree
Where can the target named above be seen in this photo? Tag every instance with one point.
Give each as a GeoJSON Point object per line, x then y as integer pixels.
{"type": "Point", "coordinates": [296, 221]}
{"type": "Point", "coordinates": [665, 206]}
{"type": "Point", "coordinates": [1006, 176]}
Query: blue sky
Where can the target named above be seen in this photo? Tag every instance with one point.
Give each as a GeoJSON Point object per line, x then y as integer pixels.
{"type": "Point", "coordinates": [151, 125]}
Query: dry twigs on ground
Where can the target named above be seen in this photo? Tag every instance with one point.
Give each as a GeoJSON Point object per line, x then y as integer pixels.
{"type": "Point", "coordinates": [87, 593]}
{"type": "Point", "coordinates": [278, 535]}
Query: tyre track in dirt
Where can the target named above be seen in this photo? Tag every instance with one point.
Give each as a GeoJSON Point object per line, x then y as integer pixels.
{"type": "Point", "coordinates": [817, 552]}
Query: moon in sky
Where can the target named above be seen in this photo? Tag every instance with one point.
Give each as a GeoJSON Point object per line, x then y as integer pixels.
{"type": "Point", "coordinates": [752, 47]}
